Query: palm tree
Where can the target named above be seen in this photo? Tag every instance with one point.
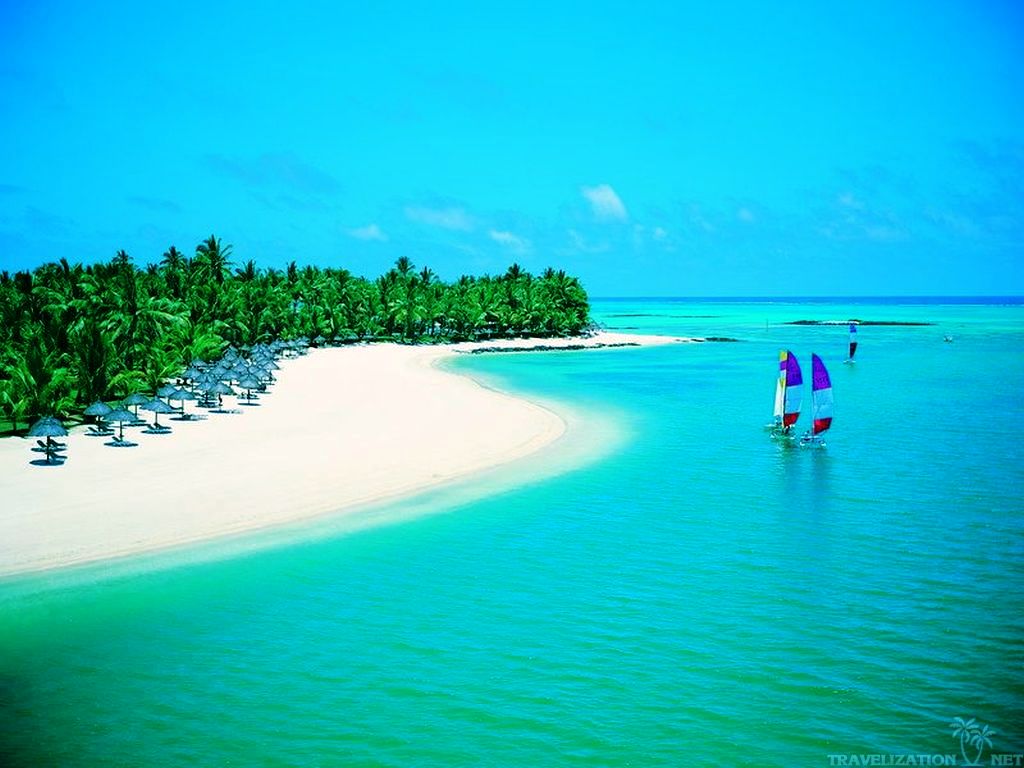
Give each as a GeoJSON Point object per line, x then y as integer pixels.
{"type": "Point", "coordinates": [965, 730]}
{"type": "Point", "coordinates": [981, 739]}
{"type": "Point", "coordinates": [12, 401]}
{"type": "Point", "coordinates": [213, 260]}
{"type": "Point", "coordinates": [404, 266]}
{"type": "Point", "coordinates": [410, 307]}
{"type": "Point", "coordinates": [74, 334]}
{"type": "Point", "coordinates": [44, 381]}
{"type": "Point", "coordinates": [92, 361]}
{"type": "Point", "coordinates": [248, 273]}
{"type": "Point", "coordinates": [173, 260]}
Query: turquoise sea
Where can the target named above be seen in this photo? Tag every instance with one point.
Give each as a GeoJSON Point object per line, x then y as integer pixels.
{"type": "Point", "coordinates": [668, 588]}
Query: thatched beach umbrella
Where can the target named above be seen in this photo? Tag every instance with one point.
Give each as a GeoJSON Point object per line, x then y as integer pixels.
{"type": "Point", "coordinates": [249, 383]}
{"type": "Point", "coordinates": [49, 427]}
{"type": "Point", "coordinates": [99, 409]}
{"type": "Point", "coordinates": [157, 407]}
{"type": "Point", "coordinates": [120, 416]}
{"type": "Point", "coordinates": [204, 385]}
{"type": "Point", "coordinates": [183, 395]}
{"type": "Point", "coordinates": [220, 388]}
{"type": "Point", "coordinates": [220, 371]}
{"type": "Point", "coordinates": [136, 399]}
{"type": "Point", "coordinates": [166, 391]}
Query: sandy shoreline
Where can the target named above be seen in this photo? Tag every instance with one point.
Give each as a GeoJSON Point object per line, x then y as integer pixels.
{"type": "Point", "coordinates": [342, 427]}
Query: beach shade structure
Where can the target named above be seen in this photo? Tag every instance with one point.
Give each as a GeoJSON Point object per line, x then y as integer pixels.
{"type": "Point", "coordinates": [261, 374]}
{"type": "Point", "coordinates": [192, 373]}
{"type": "Point", "coordinates": [157, 406]}
{"type": "Point", "coordinates": [239, 370]}
{"type": "Point", "coordinates": [49, 427]}
{"type": "Point", "coordinates": [120, 416]}
{"type": "Point", "coordinates": [249, 383]}
{"type": "Point", "coordinates": [269, 366]}
{"type": "Point", "coordinates": [220, 371]}
{"type": "Point", "coordinates": [166, 391]}
{"type": "Point", "coordinates": [136, 399]}
{"type": "Point", "coordinates": [208, 397]}
{"type": "Point", "coordinates": [219, 390]}
{"type": "Point", "coordinates": [182, 395]}
{"type": "Point", "coordinates": [98, 410]}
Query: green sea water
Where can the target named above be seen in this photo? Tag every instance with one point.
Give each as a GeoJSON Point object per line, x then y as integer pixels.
{"type": "Point", "coordinates": [668, 587]}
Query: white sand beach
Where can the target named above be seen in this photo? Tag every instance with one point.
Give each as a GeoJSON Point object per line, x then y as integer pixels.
{"type": "Point", "coordinates": [342, 427]}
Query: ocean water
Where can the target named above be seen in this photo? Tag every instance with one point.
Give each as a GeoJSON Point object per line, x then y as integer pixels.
{"type": "Point", "coordinates": [692, 594]}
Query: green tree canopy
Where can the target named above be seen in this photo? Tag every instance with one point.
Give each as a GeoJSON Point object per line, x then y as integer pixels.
{"type": "Point", "coordinates": [71, 334]}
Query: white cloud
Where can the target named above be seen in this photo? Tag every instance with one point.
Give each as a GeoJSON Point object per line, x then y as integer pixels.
{"type": "Point", "coordinates": [369, 232]}
{"type": "Point", "coordinates": [580, 244]}
{"type": "Point", "coordinates": [884, 233]}
{"type": "Point", "coordinates": [644, 236]}
{"type": "Point", "coordinates": [513, 242]}
{"type": "Point", "coordinates": [446, 218]}
{"type": "Point", "coordinates": [849, 200]}
{"type": "Point", "coordinates": [605, 203]}
{"type": "Point", "coordinates": [698, 219]}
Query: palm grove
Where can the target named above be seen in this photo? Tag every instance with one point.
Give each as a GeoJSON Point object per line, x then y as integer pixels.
{"type": "Point", "coordinates": [70, 334]}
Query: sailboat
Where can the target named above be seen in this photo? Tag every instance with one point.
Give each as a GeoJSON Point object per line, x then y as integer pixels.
{"type": "Point", "coordinates": [821, 404]}
{"type": "Point", "coordinates": [853, 343]}
{"type": "Point", "coordinates": [788, 393]}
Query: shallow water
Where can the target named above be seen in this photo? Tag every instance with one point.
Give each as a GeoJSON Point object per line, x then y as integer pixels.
{"type": "Point", "coordinates": [699, 595]}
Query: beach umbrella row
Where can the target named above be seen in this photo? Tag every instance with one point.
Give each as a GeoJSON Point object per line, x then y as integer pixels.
{"type": "Point", "coordinates": [253, 370]}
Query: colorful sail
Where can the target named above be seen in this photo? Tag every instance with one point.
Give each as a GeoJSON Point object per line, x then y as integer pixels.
{"type": "Point", "coordinates": [821, 396]}
{"type": "Point", "coordinates": [789, 369]}
{"type": "Point", "coordinates": [780, 398]}
{"type": "Point", "coordinates": [853, 340]}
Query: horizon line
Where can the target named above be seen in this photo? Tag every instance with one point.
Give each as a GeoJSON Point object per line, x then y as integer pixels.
{"type": "Point", "coordinates": [845, 297]}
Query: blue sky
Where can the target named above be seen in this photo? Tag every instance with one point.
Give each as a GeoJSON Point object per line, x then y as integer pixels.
{"type": "Point", "coordinates": [654, 148]}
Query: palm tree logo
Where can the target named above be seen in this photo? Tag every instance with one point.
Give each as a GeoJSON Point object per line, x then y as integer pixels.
{"type": "Point", "coordinates": [971, 733]}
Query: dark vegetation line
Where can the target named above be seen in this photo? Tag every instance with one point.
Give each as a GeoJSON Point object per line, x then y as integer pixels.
{"type": "Point", "coordinates": [70, 334]}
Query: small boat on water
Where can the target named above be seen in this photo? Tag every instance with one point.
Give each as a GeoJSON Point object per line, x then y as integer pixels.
{"type": "Point", "coordinates": [948, 338]}
{"type": "Point", "coordinates": [853, 343]}
{"type": "Point", "coordinates": [788, 396]}
{"type": "Point", "coordinates": [821, 405]}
